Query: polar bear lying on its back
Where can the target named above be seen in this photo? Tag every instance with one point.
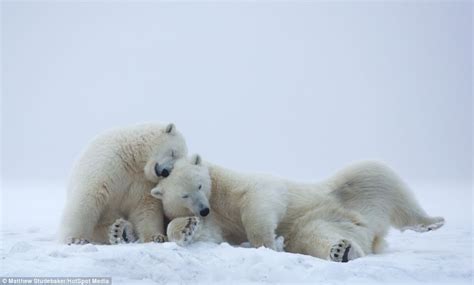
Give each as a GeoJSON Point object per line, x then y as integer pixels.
{"type": "Point", "coordinates": [340, 219]}
{"type": "Point", "coordinates": [112, 180]}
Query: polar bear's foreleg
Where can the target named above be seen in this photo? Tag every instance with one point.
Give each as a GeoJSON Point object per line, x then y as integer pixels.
{"type": "Point", "coordinates": [182, 230]}
{"type": "Point", "coordinates": [260, 227]}
{"type": "Point", "coordinates": [261, 212]}
{"type": "Point", "coordinates": [186, 230]}
{"type": "Point", "coordinates": [147, 217]}
{"type": "Point", "coordinates": [100, 235]}
{"type": "Point", "coordinates": [260, 232]}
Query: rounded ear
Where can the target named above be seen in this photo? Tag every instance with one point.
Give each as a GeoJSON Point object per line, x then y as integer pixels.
{"type": "Point", "coordinates": [157, 192]}
{"type": "Point", "coordinates": [196, 159]}
{"type": "Point", "coordinates": [170, 128]}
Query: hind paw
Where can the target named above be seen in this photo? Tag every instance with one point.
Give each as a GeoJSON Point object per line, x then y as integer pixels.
{"type": "Point", "coordinates": [121, 231]}
{"type": "Point", "coordinates": [421, 228]}
{"type": "Point", "coordinates": [339, 252]}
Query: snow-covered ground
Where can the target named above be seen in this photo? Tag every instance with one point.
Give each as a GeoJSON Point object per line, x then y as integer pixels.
{"type": "Point", "coordinates": [30, 217]}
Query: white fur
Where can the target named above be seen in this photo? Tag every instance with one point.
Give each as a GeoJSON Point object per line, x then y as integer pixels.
{"type": "Point", "coordinates": [112, 179]}
{"type": "Point", "coordinates": [353, 210]}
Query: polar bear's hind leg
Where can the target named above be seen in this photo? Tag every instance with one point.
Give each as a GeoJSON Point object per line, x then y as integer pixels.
{"type": "Point", "coordinates": [408, 215]}
{"type": "Point", "coordinates": [374, 190]}
{"type": "Point", "coordinates": [343, 251]}
{"type": "Point", "coordinates": [430, 224]}
{"type": "Point", "coordinates": [83, 213]}
{"type": "Point", "coordinates": [147, 217]}
{"type": "Point", "coordinates": [121, 231]}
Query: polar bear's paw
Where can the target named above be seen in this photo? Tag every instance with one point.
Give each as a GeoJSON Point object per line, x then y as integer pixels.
{"type": "Point", "coordinates": [79, 241]}
{"type": "Point", "coordinates": [159, 238]}
{"type": "Point", "coordinates": [340, 252]}
{"type": "Point", "coordinates": [189, 229]}
{"type": "Point", "coordinates": [280, 243]}
{"type": "Point", "coordinates": [181, 230]}
{"type": "Point", "coordinates": [121, 231]}
{"type": "Point", "coordinates": [431, 225]}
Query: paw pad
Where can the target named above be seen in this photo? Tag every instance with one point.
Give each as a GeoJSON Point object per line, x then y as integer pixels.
{"type": "Point", "coordinates": [160, 238]}
{"type": "Point", "coordinates": [421, 228]}
{"type": "Point", "coordinates": [121, 231]}
{"type": "Point", "coordinates": [183, 230]}
{"type": "Point", "coordinates": [78, 241]}
{"type": "Point", "coordinates": [340, 251]}
{"type": "Point", "coordinates": [189, 228]}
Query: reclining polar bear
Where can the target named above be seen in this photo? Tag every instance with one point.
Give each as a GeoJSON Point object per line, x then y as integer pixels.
{"type": "Point", "coordinates": [112, 180]}
{"type": "Point", "coordinates": [341, 219]}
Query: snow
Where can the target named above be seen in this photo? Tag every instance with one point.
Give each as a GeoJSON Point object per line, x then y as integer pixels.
{"type": "Point", "coordinates": [28, 248]}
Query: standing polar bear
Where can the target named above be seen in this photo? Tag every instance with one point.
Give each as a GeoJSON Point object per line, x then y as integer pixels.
{"type": "Point", "coordinates": [340, 219]}
{"type": "Point", "coordinates": [112, 180]}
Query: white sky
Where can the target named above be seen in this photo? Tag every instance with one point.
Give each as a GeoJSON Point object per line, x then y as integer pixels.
{"type": "Point", "coordinates": [294, 89]}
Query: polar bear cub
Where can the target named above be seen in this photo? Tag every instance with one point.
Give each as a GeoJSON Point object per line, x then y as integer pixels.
{"type": "Point", "coordinates": [111, 184]}
{"type": "Point", "coordinates": [340, 219]}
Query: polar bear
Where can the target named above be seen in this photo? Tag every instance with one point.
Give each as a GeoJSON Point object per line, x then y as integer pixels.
{"type": "Point", "coordinates": [340, 219]}
{"type": "Point", "coordinates": [109, 190]}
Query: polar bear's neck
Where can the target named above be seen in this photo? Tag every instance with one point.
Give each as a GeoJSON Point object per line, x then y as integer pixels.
{"type": "Point", "coordinates": [226, 202]}
{"type": "Point", "coordinates": [224, 188]}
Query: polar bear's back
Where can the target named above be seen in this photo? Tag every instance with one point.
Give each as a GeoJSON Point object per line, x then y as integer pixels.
{"type": "Point", "coordinates": [117, 137]}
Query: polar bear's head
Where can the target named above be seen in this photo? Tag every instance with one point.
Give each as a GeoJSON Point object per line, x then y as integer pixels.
{"type": "Point", "coordinates": [187, 190]}
{"type": "Point", "coordinates": [168, 148]}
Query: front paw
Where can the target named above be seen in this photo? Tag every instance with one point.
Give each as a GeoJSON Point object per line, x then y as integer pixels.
{"type": "Point", "coordinates": [182, 230]}
{"type": "Point", "coordinates": [159, 238]}
{"type": "Point", "coordinates": [78, 241]}
{"type": "Point", "coordinates": [121, 231]}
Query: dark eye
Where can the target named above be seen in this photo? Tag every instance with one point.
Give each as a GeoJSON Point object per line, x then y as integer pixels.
{"type": "Point", "coordinates": [200, 186]}
{"type": "Point", "coordinates": [185, 196]}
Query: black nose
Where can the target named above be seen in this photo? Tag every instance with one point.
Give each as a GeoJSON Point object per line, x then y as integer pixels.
{"type": "Point", "coordinates": [204, 212]}
{"type": "Point", "coordinates": [165, 173]}
{"type": "Point", "coordinates": [157, 170]}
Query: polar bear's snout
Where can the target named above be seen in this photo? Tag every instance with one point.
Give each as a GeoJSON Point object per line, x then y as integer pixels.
{"type": "Point", "coordinates": [199, 204]}
{"type": "Point", "coordinates": [204, 212]}
{"type": "Point", "coordinates": [161, 172]}
{"type": "Point", "coordinates": [165, 173]}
